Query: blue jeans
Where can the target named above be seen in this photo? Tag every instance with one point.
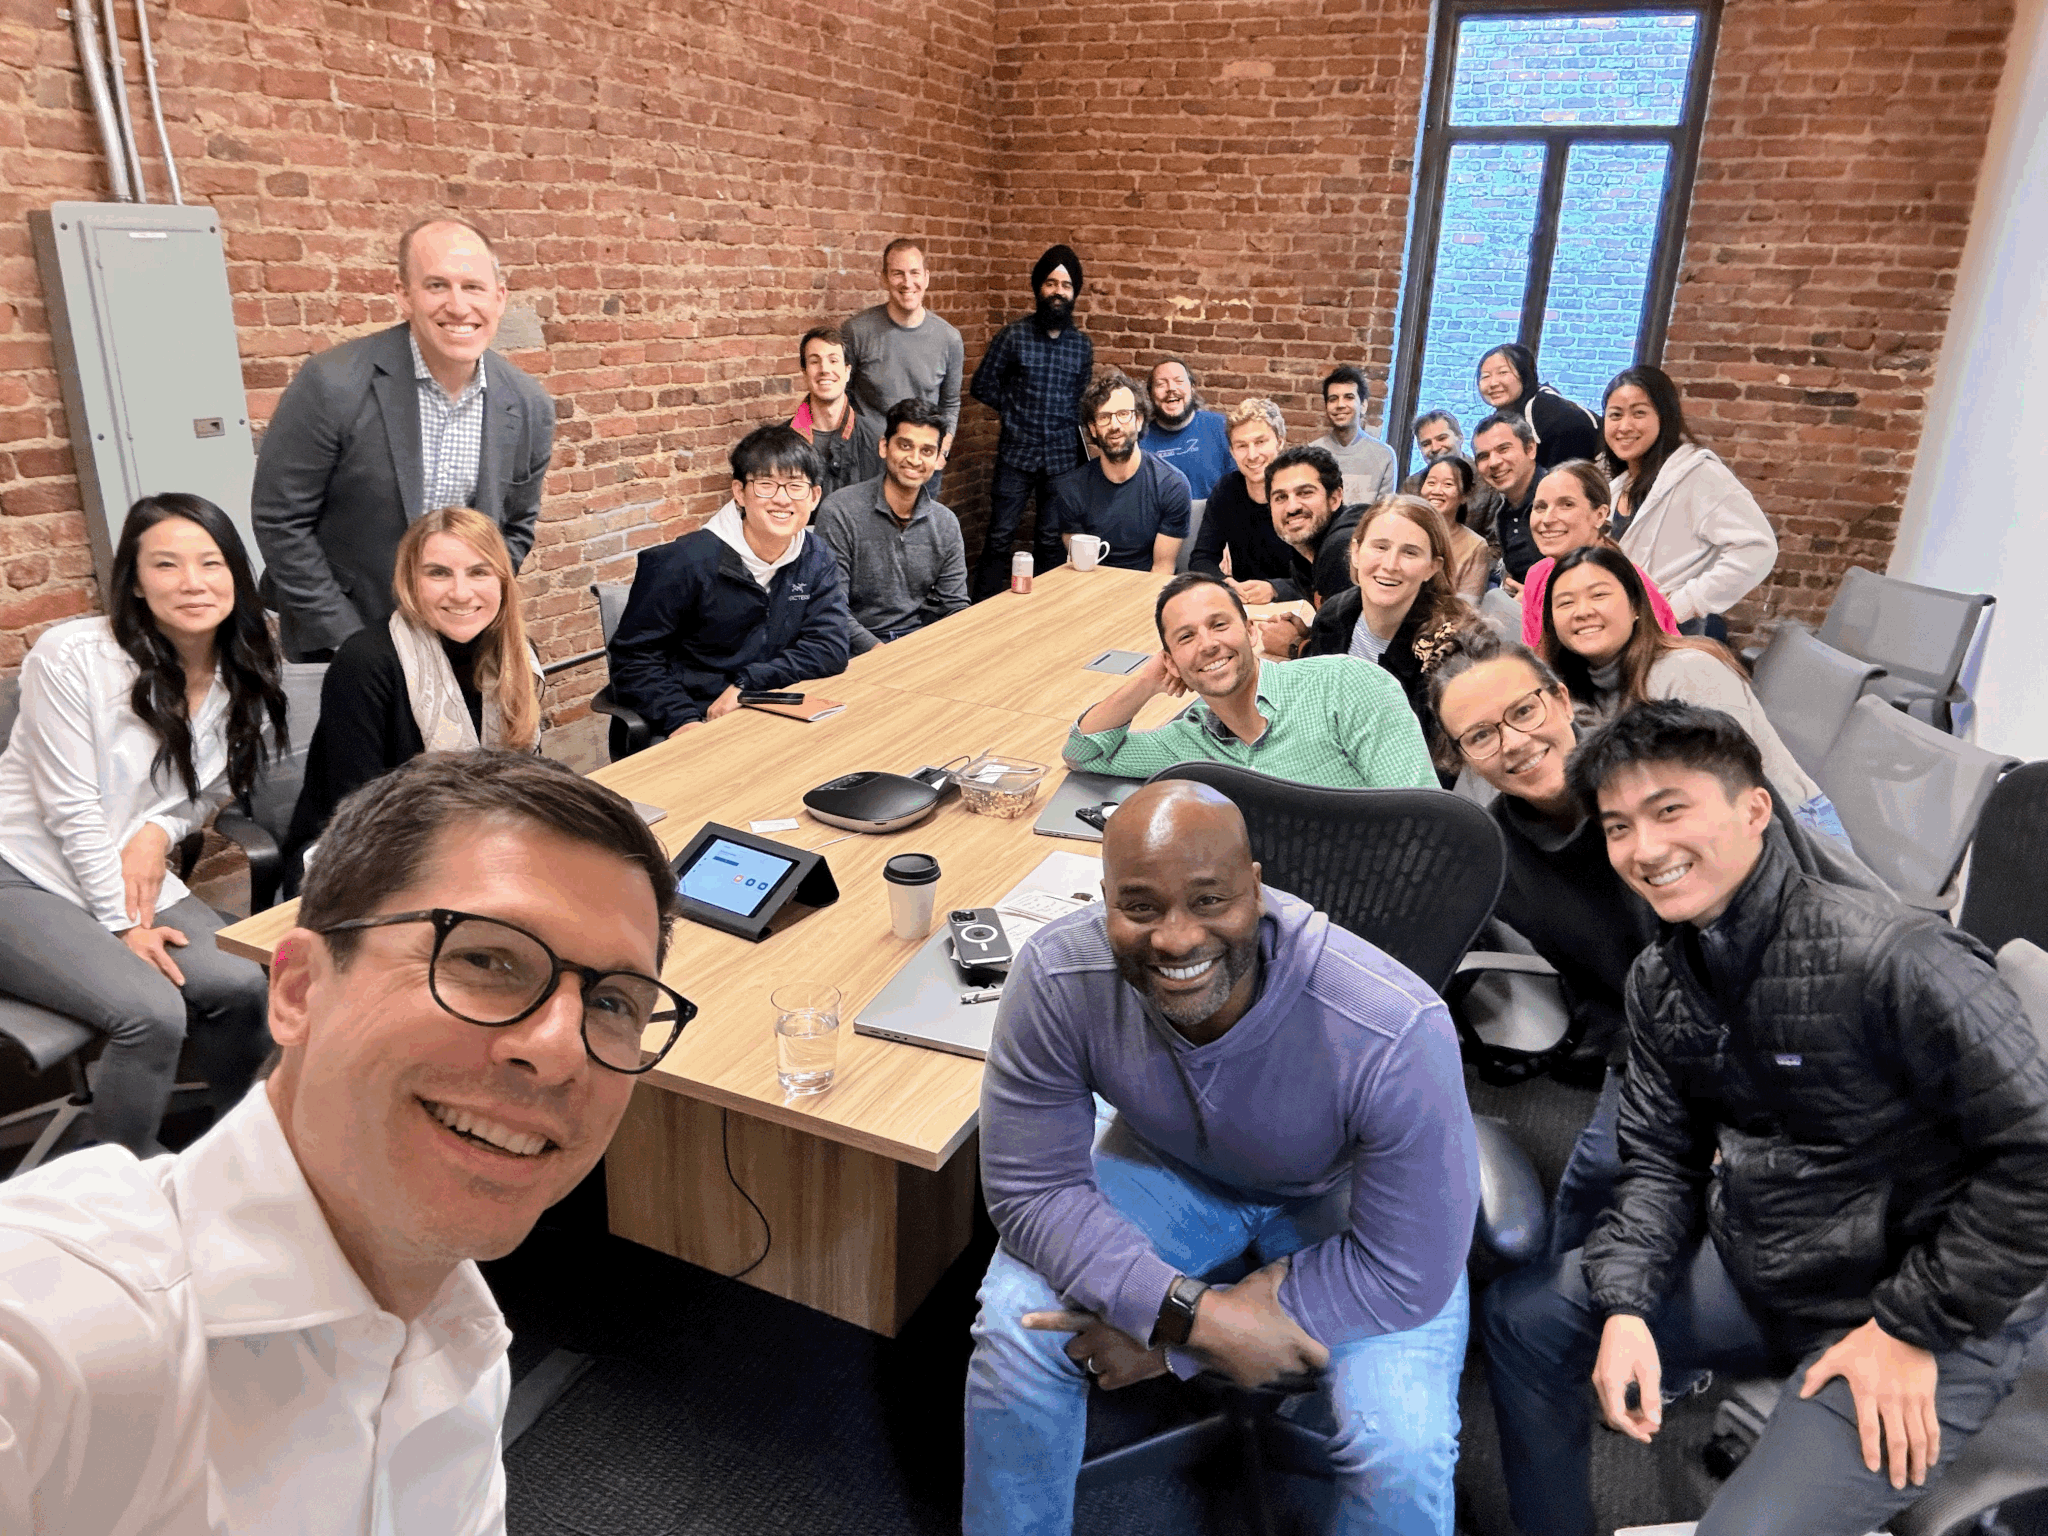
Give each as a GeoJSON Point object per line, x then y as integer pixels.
{"type": "Point", "coordinates": [1586, 1186]}
{"type": "Point", "coordinates": [1009, 492]}
{"type": "Point", "coordinates": [1388, 1405]}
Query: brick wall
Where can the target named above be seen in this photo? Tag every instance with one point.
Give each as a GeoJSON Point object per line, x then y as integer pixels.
{"type": "Point", "coordinates": [1828, 218]}
{"type": "Point", "coordinates": [677, 194]}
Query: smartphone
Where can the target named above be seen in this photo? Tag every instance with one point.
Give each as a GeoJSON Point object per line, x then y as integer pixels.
{"type": "Point", "coordinates": [771, 698]}
{"type": "Point", "coordinates": [1097, 816]}
{"type": "Point", "coordinates": [979, 942]}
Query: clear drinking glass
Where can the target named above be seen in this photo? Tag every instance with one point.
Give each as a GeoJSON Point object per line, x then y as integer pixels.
{"type": "Point", "coordinates": [806, 1036]}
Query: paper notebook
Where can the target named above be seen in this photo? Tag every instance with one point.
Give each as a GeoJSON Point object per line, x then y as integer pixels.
{"type": "Point", "coordinates": [814, 707]}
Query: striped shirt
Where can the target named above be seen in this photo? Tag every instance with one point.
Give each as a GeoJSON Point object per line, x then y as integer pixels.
{"type": "Point", "coordinates": [451, 436]}
{"type": "Point", "coordinates": [1329, 722]}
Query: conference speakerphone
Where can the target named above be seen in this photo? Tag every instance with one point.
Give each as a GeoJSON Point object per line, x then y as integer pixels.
{"type": "Point", "coordinates": [739, 883]}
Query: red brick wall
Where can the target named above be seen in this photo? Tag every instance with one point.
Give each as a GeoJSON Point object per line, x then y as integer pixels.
{"type": "Point", "coordinates": [1240, 193]}
{"type": "Point", "coordinates": [676, 197]}
{"type": "Point", "coordinates": [1828, 218]}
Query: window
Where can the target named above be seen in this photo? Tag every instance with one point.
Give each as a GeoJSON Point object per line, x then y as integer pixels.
{"type": "Point", "coordinates": [1558, 149]}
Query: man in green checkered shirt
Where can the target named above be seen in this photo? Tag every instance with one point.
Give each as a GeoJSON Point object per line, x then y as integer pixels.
{"type": "Point", "coordinates": [1333, 721]}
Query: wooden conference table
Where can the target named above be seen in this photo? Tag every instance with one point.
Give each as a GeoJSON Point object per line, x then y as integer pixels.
{"type": "Point", "coordinates": [868, 1187]}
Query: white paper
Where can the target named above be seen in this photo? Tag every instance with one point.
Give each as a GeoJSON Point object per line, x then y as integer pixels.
{"type": "Point", "coordinates": [781, 824]}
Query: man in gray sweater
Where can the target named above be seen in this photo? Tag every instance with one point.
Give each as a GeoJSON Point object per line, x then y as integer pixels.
{"type": "Point", "coordinates": [1281, 1089]}
{"type": "Point", "coordinates": [899, 550]}
{"type": "Point", "coordinates": [901, 350]}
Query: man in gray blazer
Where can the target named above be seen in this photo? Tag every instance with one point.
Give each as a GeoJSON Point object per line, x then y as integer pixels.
{"type": "Point", "coordinates": [377, 431]}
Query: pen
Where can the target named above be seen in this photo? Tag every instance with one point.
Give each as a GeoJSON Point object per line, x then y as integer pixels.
{"type": "Point", "coordinates": [982, 995]}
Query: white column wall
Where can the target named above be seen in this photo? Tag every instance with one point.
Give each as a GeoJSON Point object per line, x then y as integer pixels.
{"type": "Point", "coordinates": [1976, 513]}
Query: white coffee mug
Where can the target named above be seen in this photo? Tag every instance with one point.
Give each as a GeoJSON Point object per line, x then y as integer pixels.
{"type": "Point", "coordinates": [1085, 551]}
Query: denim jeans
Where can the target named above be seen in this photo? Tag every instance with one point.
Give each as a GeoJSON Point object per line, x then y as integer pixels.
{"type": "Point", "coordinates": [1388, 1405]}
{"type": "Point", "coordinates": [1805, 1476]}
{"type": "Point", "coordinates": [1587, 1183]}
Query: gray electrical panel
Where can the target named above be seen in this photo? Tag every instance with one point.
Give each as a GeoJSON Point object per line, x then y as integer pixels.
{"type": "Point", "coordinates": [144, 330]}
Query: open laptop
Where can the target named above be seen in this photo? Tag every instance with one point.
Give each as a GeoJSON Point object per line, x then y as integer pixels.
{"type": "Point", "coordinates": [1077, 792]}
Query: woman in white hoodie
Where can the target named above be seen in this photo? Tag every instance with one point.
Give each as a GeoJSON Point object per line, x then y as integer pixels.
{"type": "Point", "coordinates": [1685, 518]}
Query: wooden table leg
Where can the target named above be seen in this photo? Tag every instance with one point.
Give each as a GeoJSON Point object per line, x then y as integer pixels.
{"type": "Point", "coordinates": [857, 1235]}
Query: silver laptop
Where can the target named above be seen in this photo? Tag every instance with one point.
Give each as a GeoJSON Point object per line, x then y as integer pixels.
{"type": "Point", "coordinates": [921, 1004]}
{"type": "Point", "coordinates": [1077, 792]}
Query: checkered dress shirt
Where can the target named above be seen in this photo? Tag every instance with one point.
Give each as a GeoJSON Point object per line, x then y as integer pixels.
{"type": "Point", "coordinates": [1034, 382]}
{"type": "Point", "coordinates": [1332, 721]}
{"type": "Point", "coordinates": [451, 436]}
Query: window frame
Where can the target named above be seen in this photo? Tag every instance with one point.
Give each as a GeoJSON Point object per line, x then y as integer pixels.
{"type": "Point", "coordinates": [1439, 136]}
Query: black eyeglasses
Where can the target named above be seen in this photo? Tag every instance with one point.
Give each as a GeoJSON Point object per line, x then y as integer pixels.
{"type": "Point", "coordinates": [1525, 715]}
{"type": "Point", "coordinates": [488, 972]}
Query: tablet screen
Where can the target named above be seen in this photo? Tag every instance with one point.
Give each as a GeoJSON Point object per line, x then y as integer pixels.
{"type": "Point", "coordinates": [734, 878]}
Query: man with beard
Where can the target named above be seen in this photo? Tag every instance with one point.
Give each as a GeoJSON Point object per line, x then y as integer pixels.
{"type": "Point", "coordinates": [1368, 463]}
{"type": "Point", "coordinates": [899, 549]}
{"type": "Point", "coordinates": [1033, 376]}
{"type": "Point", "coordinates": [1311, 1125]}
{"type": "Point", "coordinates": [1135, 503]}
{"type": "Point", "coordinates": [1322, 720]}
{"type": "Point", "coordinates": [1305, 495]}
{"type": "Point", "coordinates": [1191, 439]}
{"type": "Point", "coordinates": [1504, 453]}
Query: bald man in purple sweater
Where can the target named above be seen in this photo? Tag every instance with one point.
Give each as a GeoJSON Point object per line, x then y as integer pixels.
{"type": "Point", "coordinates": [1279, 1088]}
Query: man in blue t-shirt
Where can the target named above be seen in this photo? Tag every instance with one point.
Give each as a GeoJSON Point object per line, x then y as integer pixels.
{"type": "Point", "coordinates": [1183, 434]}
{"type": "Point", "coordinates": [1135, 503]}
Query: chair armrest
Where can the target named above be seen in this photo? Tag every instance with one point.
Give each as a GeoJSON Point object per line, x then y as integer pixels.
{"type": "Point", "coordinates": [1513, 1223]}
{"type": "Point", "coordinates": [266, 859]}
{"type": "Point", "coordinates": [1482, 962]}
{"type": "Point", "coordinates": [629, 730]}
{"type": "Point", "coordinates": [189, 848]}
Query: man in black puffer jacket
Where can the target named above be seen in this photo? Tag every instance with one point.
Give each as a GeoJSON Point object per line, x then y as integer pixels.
{"type": "Point", "coordinates": [1843, 1096]}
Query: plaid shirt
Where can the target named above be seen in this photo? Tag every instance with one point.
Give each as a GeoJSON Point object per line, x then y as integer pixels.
{"type": "Point", "coordinates": [1034, 382]}
{"type": "Point", "coordinates": [451, 436]}
{"type": "Point", "coordinates": [1331, 721]}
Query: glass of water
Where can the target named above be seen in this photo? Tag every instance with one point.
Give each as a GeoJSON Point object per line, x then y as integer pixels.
{"type": "Point", "coordinates": [806, 1036]}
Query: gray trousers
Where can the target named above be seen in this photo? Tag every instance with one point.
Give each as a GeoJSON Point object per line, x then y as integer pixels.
{"type": "Point", "coordinates": [55, 954]}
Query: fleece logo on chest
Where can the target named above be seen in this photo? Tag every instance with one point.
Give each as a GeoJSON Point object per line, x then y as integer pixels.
{"type": "Point", "coordinates": [798, 591]}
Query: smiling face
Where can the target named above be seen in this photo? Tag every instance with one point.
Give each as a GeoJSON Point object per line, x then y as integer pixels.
{"type": "Point", "coordinates": [1563, 517]}
{"type": "Point", "coordinates": [457, 589]}
{"type": "Point", "coordinates": [825, 371]}
{"type": "Point", "coordinates": [1499, 384]}
{"type": "Point", "coordinates": [1504, 462]}
{"type": "Point", "coordinates": [906, 279]}
{"type": "Point", "coordinates": [1590, 608]}
{"type": "Point", "coordinates": [774, 508]}
{"type": "Point", "coordinates": [911, 455]}
{"type": "Point", "coordinates": [1631, 424]}
{"type": "Point", "coordinates": [1301, 508]}
{"type": "Point", "coordinates": [1209, 643]}
{"type": "Point", "coordinates": [1182, 904]}
{"type": "Point", "coordinates": [1173, 394]}
{"type": "Point", "coordinates": [1115, 426]}
{"type": "Point", "coordinates": [373, 1069]}
{"type": "Point", "coordinates": [1254, 444]}
{"type": "Point", "coordinates": [1391, 562]}
{"type": "Point", "coordinates": [1520, 751]}
{"type": "Point", "coordinates": [1341, 406]}
{"type": "Point", "coordinates": [184, 579]}
{"type": "Point", "coordinates": [452, 296]}
{"type": "Point", "coordinates": [1442, 490]}
{"type": "Point", "coordinates": [1438, 437]}
{"type": "Point", "coordinates": [1680, 840]}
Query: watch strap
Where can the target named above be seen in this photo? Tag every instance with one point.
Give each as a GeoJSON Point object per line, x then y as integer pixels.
{"type": "Point", "coordinates": [1177, 1312]}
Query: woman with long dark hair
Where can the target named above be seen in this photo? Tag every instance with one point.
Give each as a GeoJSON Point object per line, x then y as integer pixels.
{"type": "Point", "coordinates": [1684, 517]}
{"type": "Point", "coordinates": [1571, 509]}
{"type": "Point", "coordinates": [1564, 429]}
{"type": "Point", "coordinates": [1449, 485]}
{"type": "Point", "coordinates": [1601, 638]}
{"type": "Point", "coordinates": [450, 672]}
{"type": "Point", "coordinates": [134, 729]}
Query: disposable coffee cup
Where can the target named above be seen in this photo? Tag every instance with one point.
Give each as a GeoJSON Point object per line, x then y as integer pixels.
{"type": "Point", "coordinates": [913, 881]}
{"type": "Point", "coordinates": [1085, 551]}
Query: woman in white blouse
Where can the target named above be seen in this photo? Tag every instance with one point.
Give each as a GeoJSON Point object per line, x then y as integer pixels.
{"type": "Point", "coordinates": [134, 729]}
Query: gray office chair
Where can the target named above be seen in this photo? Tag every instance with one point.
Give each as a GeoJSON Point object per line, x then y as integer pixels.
{"type": "Point", "coordinates": [1187, 545]}
{"type": "Point", "coordinates": [1909, 797]}
{"type": "Point", "coordinates": [629, 733]}
{"type": "Point", "coordinates": [42, 1039]}
{"type": "Point", "coordinates": [1921, 636]}
{"type": "Point", "coordinates": [258, 824]}
{"type": "Point", "coordinates": [1807, 688]}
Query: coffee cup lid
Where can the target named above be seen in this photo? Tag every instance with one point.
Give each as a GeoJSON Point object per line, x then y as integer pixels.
{"type": "Point", "coordinates": [911, 869]}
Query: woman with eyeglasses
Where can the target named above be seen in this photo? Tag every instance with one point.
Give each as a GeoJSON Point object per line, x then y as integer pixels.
{"type": "Point", "coordinates": [1602, 638]}
{"type": "Point", "coordinates": [134, 729]}
{"type": "Point", "coordinates": [450, 672]}
{"type": "Point", "coordinates": [1570, 511]}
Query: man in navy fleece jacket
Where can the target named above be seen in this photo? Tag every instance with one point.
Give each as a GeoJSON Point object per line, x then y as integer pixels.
{"type": "Point", "coordinates": [1279, 1088]}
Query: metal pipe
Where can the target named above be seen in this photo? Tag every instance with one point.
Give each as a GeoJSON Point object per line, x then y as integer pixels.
{"type": "Point", "coordinates": [93, 65]}
{"type": "Point", "coordinates": [117, 81]}
{"type": "Point", "coordinates": [156, 103]}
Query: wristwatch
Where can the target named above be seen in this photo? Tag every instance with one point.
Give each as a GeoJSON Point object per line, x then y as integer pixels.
{"type": "Point", "coordinates": [1177, 1312]}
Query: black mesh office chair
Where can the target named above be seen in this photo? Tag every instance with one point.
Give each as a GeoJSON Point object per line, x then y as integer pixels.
{"type": "Point", "coordinates": [629, 733]}
{"type": "Point", "coordinates": [259, 823]}
{"type": "Point", "coordinates": [1415, 872]}
{"type": "Point", "coordinates": [2007, 896]}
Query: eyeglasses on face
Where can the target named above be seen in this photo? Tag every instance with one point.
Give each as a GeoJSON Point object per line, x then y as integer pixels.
{"type": "Point", "coordinates": [1116, 418]}
{"type": "Point", "coordinates": [492, 973]}
{"type": "Point", "coordinates": [1524, 715]}
{"type": "Point", "coordinates": [769, 490]}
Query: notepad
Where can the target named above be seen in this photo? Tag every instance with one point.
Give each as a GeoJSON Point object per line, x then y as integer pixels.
{"type": "Point", "coordinates": [812, 709]}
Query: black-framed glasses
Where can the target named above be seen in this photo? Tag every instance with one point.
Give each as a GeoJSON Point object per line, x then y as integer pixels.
{"type": "Point", "coordinates": [489, 972]}
{"type": "Point", "coordinates": [1116, 418]}
{"type": "Point", "coordinates": [768, 490]}
{"type": "Point", "coordinates": [1525, 714]}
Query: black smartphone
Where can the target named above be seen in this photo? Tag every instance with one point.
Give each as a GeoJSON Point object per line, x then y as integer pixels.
{"type": "Point", "coordinates": [1097, 816]}
{"type": "Point", "coordinates": [771, 698]}
{"type": "Point", "coordinates": [978, 938]}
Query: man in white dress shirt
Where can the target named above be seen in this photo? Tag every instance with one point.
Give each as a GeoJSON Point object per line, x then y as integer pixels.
{"type": "Point", "coordinates": [282, 1328]}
